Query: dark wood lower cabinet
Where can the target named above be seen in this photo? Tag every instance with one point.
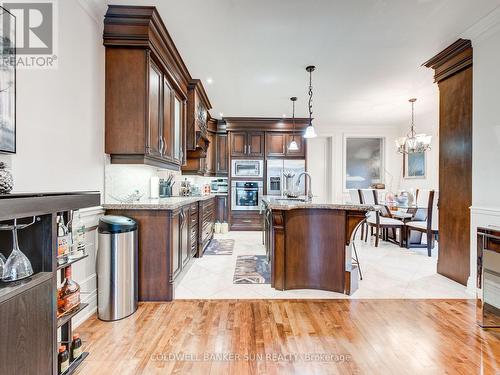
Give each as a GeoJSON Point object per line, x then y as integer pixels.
{"type": "Point", "coordinates": [27, 333]}
{"type": "Point", "coordinates": [222, 208]}
{"type": "Point", "coordinates": [206, 224]}
{"type": "Point", "coordinates": [246, 220]}
{"type": "Point", "coordinates": [168, 241]}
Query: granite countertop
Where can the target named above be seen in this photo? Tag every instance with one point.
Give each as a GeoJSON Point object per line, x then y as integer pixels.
{"type": "Point", "coordinates": [277, 203]}
{"type": "Point", "coordinates": [170, 203]}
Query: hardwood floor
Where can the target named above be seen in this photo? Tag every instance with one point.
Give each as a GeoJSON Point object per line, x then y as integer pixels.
{"type": "Point", "coordinates": [293, 337]}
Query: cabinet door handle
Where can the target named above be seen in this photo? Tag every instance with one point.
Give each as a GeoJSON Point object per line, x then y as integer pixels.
{"type": "Point", "coordinates": [249, 149]}
{"type": "Point", "coordinates": [245, 149]}
{"type": "Point", "coordinates": [164, 145]}
{"type": "Point", "coordinates": [160, 140]}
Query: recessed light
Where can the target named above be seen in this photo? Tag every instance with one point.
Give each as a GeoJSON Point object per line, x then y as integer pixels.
{"type": "Point", "coordinates": [284, 115]}
{"type": "Point", "coordinates": [210, 80]}
{"type": "Point", "coordinates": [221, 114]}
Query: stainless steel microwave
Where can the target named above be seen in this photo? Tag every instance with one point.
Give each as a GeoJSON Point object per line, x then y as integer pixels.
{"type": "Point", "coordinates": [247, 168]}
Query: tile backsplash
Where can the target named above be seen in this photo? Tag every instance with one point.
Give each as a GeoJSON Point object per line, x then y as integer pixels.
{"type": "Point", "coordinates": [122, 180]}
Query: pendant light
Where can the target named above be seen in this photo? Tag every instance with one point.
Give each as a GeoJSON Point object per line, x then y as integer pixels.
{"type": "Point", "coordinates": [310, 132]}
{"type": "Point", "coordinates": [293, 146]}
{"type": "Point", "coordinates": [413, 142]}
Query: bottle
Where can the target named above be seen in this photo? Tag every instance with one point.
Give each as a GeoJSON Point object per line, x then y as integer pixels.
{"type": "Point", "coordinates": [62, 359]}
{"type": "Point", "coordinates": [62, 240]}
{"type": "Point", "coordinates": [68, 295]}
{"type": "Point", "coordinates": [76, 347]}
{"type": "Point", "coordinates": [78, 247]}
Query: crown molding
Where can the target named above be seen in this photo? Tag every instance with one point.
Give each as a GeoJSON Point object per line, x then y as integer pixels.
{"type": "Point", "coordinates": [484, 28]}
{"type": "Point", "coordinates": [95, 9]}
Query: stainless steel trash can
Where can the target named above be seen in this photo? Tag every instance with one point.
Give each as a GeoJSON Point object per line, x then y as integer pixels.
{"type": "Point", "coordinates": [117, 268]}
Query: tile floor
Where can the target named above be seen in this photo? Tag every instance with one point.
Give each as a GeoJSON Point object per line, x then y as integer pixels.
{"type": "Point", "coordinates": [388, 272]}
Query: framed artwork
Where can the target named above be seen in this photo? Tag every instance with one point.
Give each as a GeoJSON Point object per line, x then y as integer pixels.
{"type": "Point", "coordinates": [364, 163]}
{"type": "Point", "coordinates": [7, 82]}
{"type": "Point", "coordinates": [414, 165]}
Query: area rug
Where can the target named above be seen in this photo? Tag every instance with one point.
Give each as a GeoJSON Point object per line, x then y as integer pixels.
{"type": "Point", "coordinates": [219, 247]}
{"type": "Point", "coordinates": [252, 269]}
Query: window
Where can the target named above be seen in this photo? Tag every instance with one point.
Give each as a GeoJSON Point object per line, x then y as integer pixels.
{"type": "Point", "coordinates": [364, 163]}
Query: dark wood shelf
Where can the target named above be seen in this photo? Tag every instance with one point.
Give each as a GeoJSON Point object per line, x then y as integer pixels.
{"type": "Point", "coordinates": [70, 262]}
{"type": "Point", "coordinates": [65, 318]}
{"type": "Point", "coordinates": [23, 205]}
{"type": "Point", "coordinates": [12, 289]}
{"type": "Point", "coordinates": [73, 365]}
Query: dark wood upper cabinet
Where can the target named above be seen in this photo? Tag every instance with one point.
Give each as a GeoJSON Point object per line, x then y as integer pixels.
{"type": "Point", "coordinates": [301, 142]}
{"type": "Point", "coordinates": [211, 154]}
{"type": "Point", "coordinates": [276, 144]}
{"type": "Point", "coordinates": [255, 144]}
{"type": "Point", "coordinates": [147, 87]}
{"type": "Point", "coordinates": [238, 143]}
{"type": "Point", "coordinates": [453, 73]}
{"type": "Point", "coordinates": [155, 141]}
{"type": "Point", "coordinates": [222, 155]}
{"type": "Point", "coordinates": [167, 140]}
{"type": "Point", "coordinates": [245, 144]}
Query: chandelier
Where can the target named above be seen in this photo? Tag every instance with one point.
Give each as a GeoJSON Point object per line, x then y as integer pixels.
{"type": "Point", "coordinates": [293, 146]}
{"type": "Point", "coordinates": [310, 132]}
{"type": "Point", "coordinates": [413, 142]}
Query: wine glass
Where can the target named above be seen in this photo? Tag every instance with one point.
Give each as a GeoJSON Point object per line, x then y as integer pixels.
{"type": "Point", "coordinates": [17, 266]}
{"type": "Point", "coordinates": [2, 264]}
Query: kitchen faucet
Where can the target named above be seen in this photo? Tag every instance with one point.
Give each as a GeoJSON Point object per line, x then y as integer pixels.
{"type": "Point", "coordinates": [309, 194]}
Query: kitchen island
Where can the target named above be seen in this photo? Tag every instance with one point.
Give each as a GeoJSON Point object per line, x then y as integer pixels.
{"type": "Point", "coordinates": [171, 233]}
{"type": "Point", "coordinates": [309, 243]}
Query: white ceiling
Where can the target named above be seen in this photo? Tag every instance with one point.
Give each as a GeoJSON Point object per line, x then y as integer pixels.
{"type": "Point", "coordinates": [368, 53]}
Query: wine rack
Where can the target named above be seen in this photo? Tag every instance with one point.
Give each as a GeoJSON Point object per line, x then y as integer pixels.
{"type": "Point", "coordinates": [29, 305]}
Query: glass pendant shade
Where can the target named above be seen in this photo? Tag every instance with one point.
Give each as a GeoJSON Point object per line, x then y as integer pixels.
{"type": "Point", "coordinates": [413, 142]}
{"type": "Point", "coordinates": [310, 132]}
{"type": "Point", "coordinates": [293, 146]}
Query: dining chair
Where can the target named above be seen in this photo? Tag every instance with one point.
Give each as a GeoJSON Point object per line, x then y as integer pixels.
{"type": "Point", "coordinates": [381, 220]}
{"type": "Point", "coordinates": [368, 196]}
{"type": "Point", "coordinates": [430, 224]}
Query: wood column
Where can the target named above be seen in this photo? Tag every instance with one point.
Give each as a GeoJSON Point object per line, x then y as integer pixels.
{"type": "Point", "coordinates": [453, 74]}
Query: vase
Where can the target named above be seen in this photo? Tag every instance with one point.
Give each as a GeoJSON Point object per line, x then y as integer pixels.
{"type": "Point", "coordinates": [6, 179]}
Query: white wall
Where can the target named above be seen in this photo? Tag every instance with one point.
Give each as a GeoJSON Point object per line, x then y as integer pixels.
{"type": "Point", "coordinates": [319, 166]}
{"type": "Point", "coordinates": [326, 159]}
{"type": "Point", "coordinates": [60, 125]}
{"type": "Point", "coordinates": [60, 112]}
{"type": "Point", "coordinates": [485, 208]}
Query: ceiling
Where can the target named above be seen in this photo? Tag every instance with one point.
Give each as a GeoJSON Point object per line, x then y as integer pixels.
{"type": "Point", "coordinates": [368, 54]}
